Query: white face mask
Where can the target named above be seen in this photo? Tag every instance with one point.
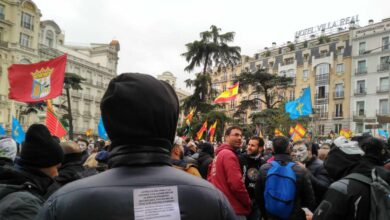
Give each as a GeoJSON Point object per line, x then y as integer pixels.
{"type": "Point", "coordinates": [300, 153]}
{"type": "Point", "coordinates": [83, 145]}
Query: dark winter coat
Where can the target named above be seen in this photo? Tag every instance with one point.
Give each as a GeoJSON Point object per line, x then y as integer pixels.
{"type": "Point", "coordinates": [250, 167]}
{"type": "Point", "coordinates": [345, 199]}
{"type": "Point", "coordinates": [72, 169]}
{"type": "Point", "coordinates": [110, 195]}
{"type": "Point", "coordinates": [204, 161]}
{"type": "Point", "coordinates": [304, 193]}
{"type": "Point", "coordinates": [319, 178]}
{"type": "Point", "coordinates": [23, 192]}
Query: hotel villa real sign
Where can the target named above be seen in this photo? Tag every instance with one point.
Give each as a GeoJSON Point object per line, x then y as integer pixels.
{"type": "Point", "coordinates": [328, 27]}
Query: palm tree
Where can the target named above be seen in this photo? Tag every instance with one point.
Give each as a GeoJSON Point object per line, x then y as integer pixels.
{"type": "Point", "coordinates": [71, 81]}
{"type": "Point", "coordinates": [212, 49]}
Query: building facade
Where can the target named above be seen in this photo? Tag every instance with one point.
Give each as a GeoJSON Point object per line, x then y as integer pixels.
{"type": "Point", "coordinates": [370, 78]}
{"type": "Point", "coordinates": [44, 40]}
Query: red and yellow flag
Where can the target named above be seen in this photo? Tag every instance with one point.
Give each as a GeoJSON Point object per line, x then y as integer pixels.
{"type": "Point", "coordinates": [228, 95]}
{"type": "Point", "coordinates": [300, 130]}
{"type": "Point", "coordinates": [212, 131]}
{"type": "Point", "coordinates": [295, 137]}
{"type": "Point", "coordinates": [346, 132]}
{"type": "Point", "coordinates": [202, 129]}
{"type": "Point", "coordinates": [189, 117]}
{"type": "Point", "coordinates": [52, 123]}
{"type": "Point", "coordinates": [291, 131]}
{"type": "Point", "coordinates": [278, 132]}
{"type": "Point", "coordinates": [37, 81]}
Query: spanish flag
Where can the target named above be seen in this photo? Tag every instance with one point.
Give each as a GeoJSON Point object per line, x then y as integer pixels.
{"type": "Point", "coordinates": [300, 130]}
{"type": "Point", "coordinates": [189, 117]}
{"type": "Point", "coordinates": [295, 137]}
{"type": "Point", "coordinates": [291, 131]}
{"type": "Point", "coordinates": [202, 129]}
{"type": "Point", "coordinates": [212, 131]}
{"type": "Point", "coordinates": [228, 95]}
{"type": "Point", "coordinates": [346, 132]}
{"type": "Point", "coordinates": [278, 132]}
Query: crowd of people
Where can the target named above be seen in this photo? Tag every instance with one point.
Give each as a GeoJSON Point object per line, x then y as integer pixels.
{"type": "Point", "coordinates": [146, 171]}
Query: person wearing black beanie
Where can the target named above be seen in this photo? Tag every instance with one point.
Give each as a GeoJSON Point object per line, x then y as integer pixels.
{"type": "Point", "coordinates": [140, 115]}
{"type": "Point", "coordinates": [24, 187]}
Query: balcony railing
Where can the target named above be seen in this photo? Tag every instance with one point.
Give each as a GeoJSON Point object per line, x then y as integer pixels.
{"type": "Point", "coordinates": [322, 77]}
{"type": "Point", "coordinates": [293, 81]}
{"type": "Point", "coordinates": [100, 84]}
{"type": "Point", "coordinates": [3, 44]}
{"type": "Point", "coordinates": [382, 112]}
{"type": "Point", "coordinates": [382, 89]}
{"type": "Point", "coordinates": [88, 97]}
{"type": "Point", "coordinates": [76, 94]}
{"type": "Point", "coordinates": [338, 95]}
{"type": "Point", "coordinates": [322, 115]}
{"type": "Point", "coordinates": [338, 115]}
{"type": "Point", "coordinates": [383, 67]}
{"type": "Point", "coordinates": [362, 51]}
{"type": "Point", "coordinates": [360, 71]}
{"type": "Point", "coordinates": [359, 114]}
{"type": "Point", "coordinates": [361, 91]}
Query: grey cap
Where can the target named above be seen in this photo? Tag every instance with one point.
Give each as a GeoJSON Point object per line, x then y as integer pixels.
{"type": "Point", "coordinates": [347, 146]}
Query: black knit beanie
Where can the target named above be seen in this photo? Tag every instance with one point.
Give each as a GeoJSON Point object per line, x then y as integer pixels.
{"type": "Point", "coordinates": [40, 149]}
{"type": "Point", "coordinates": [138, 109]}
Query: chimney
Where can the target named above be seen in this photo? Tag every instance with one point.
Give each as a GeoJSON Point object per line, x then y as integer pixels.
{"type": "Point", "coordinates": [273, 44]}
{"type": "Point", "coordinates": [370, 21]}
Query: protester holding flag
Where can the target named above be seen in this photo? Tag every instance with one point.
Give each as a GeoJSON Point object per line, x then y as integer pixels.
{"type": "Point", "coordinates": [199, 134]}
{"type": "Point", "coordinates": [228, 95]}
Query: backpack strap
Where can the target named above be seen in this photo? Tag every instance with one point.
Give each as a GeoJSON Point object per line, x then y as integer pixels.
{"type": "Point", "coordinates": [275, 164]}
{"type": "Point", "coordinates": [359, 177]}
{"type": "Point", "coordinates": [290, 165]}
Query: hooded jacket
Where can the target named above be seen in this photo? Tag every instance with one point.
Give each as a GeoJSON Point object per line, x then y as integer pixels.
{"type": "Point", "coordinates": [304, 192]}
{"type": "Point", "coordinates": [319, 178]}
{"type": "Point", "coordinates": [72, 169]}
{"type": "Point", "coordinates": [140, 116]}
{"type": "Point", "coordinates": [345, 199]}
{"type": "Point", "coordinates": [225, 174]}
{"type": "Point", "coordinates": [23, 192]}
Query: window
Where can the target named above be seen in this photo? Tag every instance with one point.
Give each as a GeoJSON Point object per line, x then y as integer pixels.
{"type": "Point", "coordinates": [232, 104]}
{"type": "Point", "coordinates": [385, 43]}
{"type": "Point", "coordinates": [99, 94]}
{"type": "Point", "coordinates": [321, 93]}
{"type": "Point", "coordinates": [322, 69]}
{"type": "Point", "coordinates": [289, 61]}
{"type": "Point", "coordinates": [362, 47]}
{"type": "Point", "coordinates": [340, 68]}
{"type": "Point", "coordinates": [292, 95]}
{"type": "Point", "coordinates": [306, 57]}
{"type": "Point", "coordinates": [282, 73]}
{"type": "Point", "coordinates": [322, 110]}
{"type": "Point", "coordinates": [87, 107]}
{"type": "Point", "coordinates": [360, 108]}
{"type": "Point", "coordinates": [383, 106]}
{"type": "Point", "coordinates": [2, 12]}
{"type": "Point", "coordinates": [88, 91]}
{"type": "Point", "coordinates": [359, 128]}
{"type": "Point", "coordinates": [360, 86]}
{"type": "Point", "coordinates": [291, 73]}
{"type": "Point", "coordinates": [224, 88]}
{"type": "Point", "coordinates": [321, 129]}
{"type": "Point", "coordinates": [305, 75]}
{"type": "Point", "coordinates": [340, 50]}
{"type": "Point", "coordinates": [75, 104]}
{"type": "Point", "coordinates": [384, 84]}
{"type": "Point", "coordinates": [339, 90]}
{"type": "Point", "coordinates": [337, 128]}
{"type": "Point", "coordinates": [339, 110]}
{"type": "Point", "coordinates": [362, 68]}
{"type": "Point", "coordinates": [86, 125]}
{"type": "Point", "coordinates": [252, 66]}
{"type": "Point", "coordinates": [25, 40]}
{"type": "Point", "coordinates": [49, 38]}
{"type": "Point", "coordinates": [384, 63]}
{"type": "Point", "coordinates": [224, 77]}
{"type": "Point", "coordinates": [27, 21]}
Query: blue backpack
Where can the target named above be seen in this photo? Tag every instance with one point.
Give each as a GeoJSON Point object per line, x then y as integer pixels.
{"type": "Point", "coordinates": [279, 191]}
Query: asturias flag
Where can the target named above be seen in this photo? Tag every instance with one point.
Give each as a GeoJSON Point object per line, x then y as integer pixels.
{"type": "Point", "coordinates": [101, 130]}
{"type": "Point", "coordinates": [212, 131]}
{"type": "Point", "coordinates": [301, 106]}
{"type": "Point", "coordinates": [2, 130]}
{"type": "Point", "coordinates": [17, 131]}
{"type": "Point", "coordinates": [202, 129]}
{"type": "Point", "coordinates": [38, 81]}
{"type": "Point", "coordinates": [228, 95]}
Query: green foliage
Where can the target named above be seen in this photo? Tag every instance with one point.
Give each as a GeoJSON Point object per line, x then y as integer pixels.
{"type": "Point", "coordinates": [323, 39]}
{"type": "Point", "coordinates": [291, 46]}
{"type": "Point", "coordinates": [267, 53]}
{"type": "Point", "coordinates": [73, 81]}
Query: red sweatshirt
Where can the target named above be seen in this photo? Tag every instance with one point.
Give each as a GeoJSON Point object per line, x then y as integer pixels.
{"type": "Point", "coordinates": [225, 174]}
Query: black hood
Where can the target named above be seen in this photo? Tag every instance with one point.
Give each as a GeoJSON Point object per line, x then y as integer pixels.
{"type": "Point", "coordinates": [339, 164]}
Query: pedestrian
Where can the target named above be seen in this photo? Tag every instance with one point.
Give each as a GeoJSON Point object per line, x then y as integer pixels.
{"type": "Point", "coordinates": [83, 143]}
{"type": "Point", "coordinates": [206, 156]}
{"type": "Point", "coordinates": [250, 162]}
{"type": "Point", "coordinates": [284, 188]}
{"type": "Point", "coordinates": [346, 198]}
{"type": "Point", "coordinates": [177, 159]}
{"type": "Point", "coordinates": [25, 186]}
{"type": "Point", "coordinates": [318, 175]}
{"type": "Point", "coordinates": [72, 166]}
{"type": "Point", "coordinates": [8, 152]}
{"type": "Point", "coordinates": [225, 173]}
{"type": "Point", "coordinates": [140, 115]}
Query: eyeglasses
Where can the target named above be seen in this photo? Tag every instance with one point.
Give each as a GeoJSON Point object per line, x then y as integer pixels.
{"type": "Point", "coordinates": [236, 135]}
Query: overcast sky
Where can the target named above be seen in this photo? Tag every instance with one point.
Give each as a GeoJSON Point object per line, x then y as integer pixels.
{"type": "Point", "coordinates": [153, 33]}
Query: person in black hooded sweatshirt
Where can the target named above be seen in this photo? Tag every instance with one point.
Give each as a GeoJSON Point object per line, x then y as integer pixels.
{"type": "Point", "coordinates": [206, 156]}
{"type": "Point", "coordinates": [25, 187]}
{"type": "Point", "coordinates": [346, 199]}
{"type": "Point", "coordinates": [140, 115]}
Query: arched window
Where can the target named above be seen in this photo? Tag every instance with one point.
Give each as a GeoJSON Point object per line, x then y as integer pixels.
{"type": "Point", "coordinates": [322, 69]}
{"type": "Point", "coordinates": [49, 38]}
{"type": "Point", "coordinates": [25, 61]}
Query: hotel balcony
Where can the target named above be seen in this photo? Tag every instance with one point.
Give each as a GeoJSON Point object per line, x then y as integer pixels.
{"type": "Point", "coordinates": [382, 89]}
{"type": "Point", "coordinates": [338, 115]}
{"type": "Point", "coordinates": [322, 115]}
{"type": "Point", "coordinates": [361, 71]}
{"type": "Point", "coordinates": [321, 98]}
{"type": "Point", "coordinates": [338, 95]}
{"type": "Point", "coordinates": [359, 115]}
{"type": "Point", "coordinates": [383, 112]}
{"type": "Point", "coordinates": [383, 67]}
{"type": "Point", "coordinates": [360, 92]}
{"type": "Point", "coordinates": [324, 78]}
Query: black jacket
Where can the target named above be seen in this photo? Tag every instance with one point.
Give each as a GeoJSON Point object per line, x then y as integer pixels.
{"type": "Point", "coordinates": [6, 162]}
{"type": "Point", "coordinates": [110, 195]}
{"type": "Point", "coordinates": [23, 191]}
{"type": "Point", "coordinates": [345, 199]}
{"type": "Point", "coordinates": [304, 194]}
{"type": "Point", "coordinates": [319, 178]}
{"type": "Point", "coordinates": [72, 169]}
{"type": "Point", "coordinates": [204, 161]}
{"type": "Point", "coordinates": [250, 167]}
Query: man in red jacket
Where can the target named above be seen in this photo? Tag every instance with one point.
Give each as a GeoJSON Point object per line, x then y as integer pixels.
{"type": "Point", "coordinates": [225, 173]}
